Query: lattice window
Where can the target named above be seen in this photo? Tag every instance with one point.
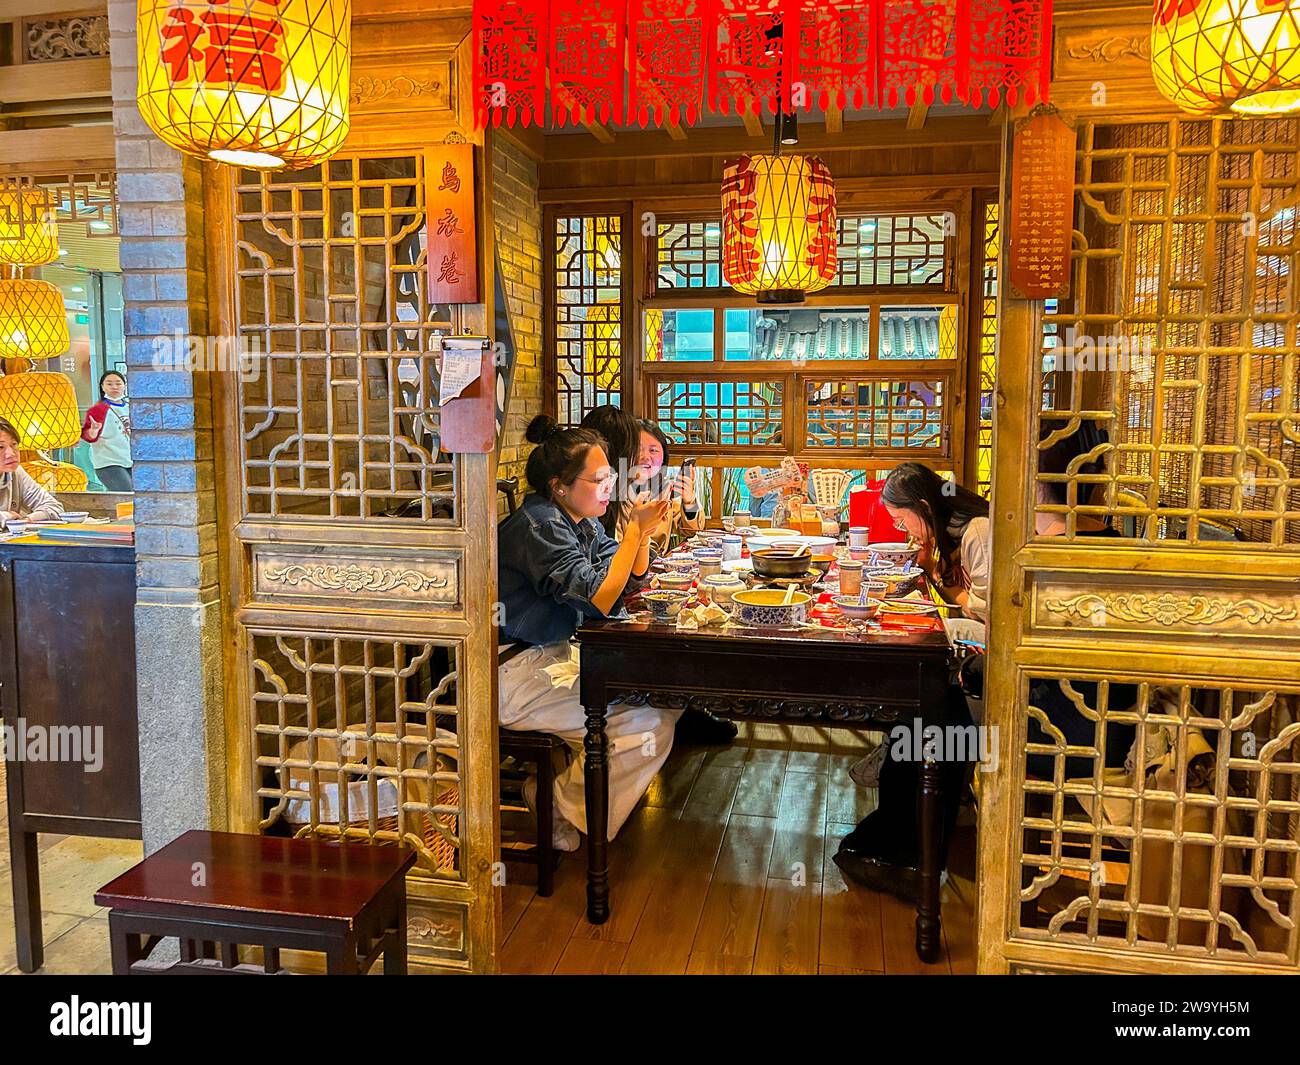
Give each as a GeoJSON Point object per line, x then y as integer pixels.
{"type": "Point", "coordinates": [879, 414]}
{"type": "Point", "coordinates": [340, 417]}
{"type": "Point", "coordinates": [902, 249]}
{"type": "Point", "coordinates": [357, 738]}
{"type": "Point", "coordinates": [1201, 851]}
{"type": "Point", "coordinates": [987, 333]}
{"type": "Point", "coordinates": [1180, 338]}
{"type": "Point", "coordinates": [726, 413]}
{"type": "Point", "coordinates": [689, 255]}
{"type": "Point", "coordinates": [84, 197]}
{"type": "Point", "coordinates": [587, 293]}
{"type": "Point", "coordinates": [875, 251]}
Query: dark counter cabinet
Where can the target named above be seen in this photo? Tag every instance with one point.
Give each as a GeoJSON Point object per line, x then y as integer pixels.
{"type": "Point", "coordinates": [68, 701]}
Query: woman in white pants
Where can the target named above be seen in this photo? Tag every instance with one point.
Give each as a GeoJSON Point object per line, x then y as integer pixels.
{"type": "Point", "coordinates": [557, 567]}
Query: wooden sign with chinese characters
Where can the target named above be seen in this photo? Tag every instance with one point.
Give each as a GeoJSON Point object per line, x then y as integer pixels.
{"type": "Point", "coordinates": [1042, 206]}
{"type": "Point", "coordinates": [452, 236]}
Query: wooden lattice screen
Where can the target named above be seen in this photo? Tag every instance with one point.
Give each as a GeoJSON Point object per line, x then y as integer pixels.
{"type": "Point", "coordinates": [364, 553]}
{"type": "Point", "coordinates": [1175, 643]}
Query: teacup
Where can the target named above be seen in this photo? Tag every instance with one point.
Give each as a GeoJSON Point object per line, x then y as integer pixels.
{"type": "Point", "coordinates": [665, 605]}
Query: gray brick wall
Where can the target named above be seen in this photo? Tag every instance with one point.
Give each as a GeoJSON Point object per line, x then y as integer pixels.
{"type": "Point", "coordinates": [518, 223]}
{"type": "Point", "coordinates": [178, 617]}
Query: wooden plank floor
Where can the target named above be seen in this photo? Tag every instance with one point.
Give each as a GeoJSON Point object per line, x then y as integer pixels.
{"type": "Point", "coordinates": [725, 868]}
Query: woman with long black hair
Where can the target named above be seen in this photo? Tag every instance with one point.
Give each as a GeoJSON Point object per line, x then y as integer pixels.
{"type": "Point", "coordinates": [950, 524]}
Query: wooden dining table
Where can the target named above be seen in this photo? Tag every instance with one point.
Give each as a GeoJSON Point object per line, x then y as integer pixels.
{"type": "Point", "coordinates": [814, 674]}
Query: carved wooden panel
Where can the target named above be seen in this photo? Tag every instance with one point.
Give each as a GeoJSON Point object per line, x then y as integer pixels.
{"type": "Point", "coordinates": [389, 581]}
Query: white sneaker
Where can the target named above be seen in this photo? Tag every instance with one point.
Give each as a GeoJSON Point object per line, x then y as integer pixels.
{"type": "Point", "coordinates": [866, 771]}
{"type": "Point", "coordinates": [564, 836]}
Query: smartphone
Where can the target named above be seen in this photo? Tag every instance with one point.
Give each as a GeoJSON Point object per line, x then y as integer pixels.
{"type": "Point", "coordinates": [687, 470]}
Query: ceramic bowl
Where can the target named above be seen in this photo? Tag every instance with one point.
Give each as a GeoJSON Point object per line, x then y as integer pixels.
{"type": "Point", "coordinates": [707, 554]}
{"type": "Point", "coordinates": [853, 607]}
{"type": "Point", "coordinates": [767, 607]}
{"type": "Point", "coordinates": [894, 553]}
{"type": "Point", "coordinates": [876, 588]}
{"type": "Point", "coordinates": [899, 583]}
{"type": "Point", "coordinates": [665, 605]}
{"type": "Point", "coordinates": [17, 528]}
{"type": "Point", "coordinates": [675, 582]}
{"type": "Point", "coordinates": [822, 564]}
{"type": "Point", "coordinates": [711, 537]}
{"type": "Point", "coordinates": [769, 562]}
{"type": "Point", "coordinates": [818, 544]}
{"type": "Point", "coordinates": [680, 565]}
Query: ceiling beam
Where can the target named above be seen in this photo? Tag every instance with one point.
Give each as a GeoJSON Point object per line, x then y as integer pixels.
{"type": "Point", "coordinates": [904, 186]}
{"type": "Point", "coordinates": [731, 140]}
{"type": "Point", "coordinates": [834, 119]}
{"type": "Point", "coordinates": [753, 120]}
{"type": "Point", "coordinates": [916, 116]}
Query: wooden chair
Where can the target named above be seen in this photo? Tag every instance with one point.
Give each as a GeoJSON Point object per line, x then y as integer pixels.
{"type": "Point", "coordinates": [538, 750]}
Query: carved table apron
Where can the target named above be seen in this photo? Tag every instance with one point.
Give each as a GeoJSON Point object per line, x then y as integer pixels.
{"type": "Point", "coordinates": [806, 676]}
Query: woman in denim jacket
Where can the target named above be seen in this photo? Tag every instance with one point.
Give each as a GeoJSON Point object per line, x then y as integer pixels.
{"type": "Point", "coordinates": [557, 567]}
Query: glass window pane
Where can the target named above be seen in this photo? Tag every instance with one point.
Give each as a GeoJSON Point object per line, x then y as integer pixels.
{"type": "Point", "coordinates": [678, 336]}
{"type": "Point", "coordinates": [798, 333]}
{"type": "Point", "coordinates": [918, 332]}
{"type": "Point", "coordinates": [904, 249]}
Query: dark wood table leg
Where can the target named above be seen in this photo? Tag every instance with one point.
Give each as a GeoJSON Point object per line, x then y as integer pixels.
{"type": "Point", "coordinates": [341, 957]}
{"type": "Point", "coordinates": [929, 814]}
{"type": "Point", "coordinates": [596, 780]}
{"type": "Point", "coordinates": [24, 858]}
{"type": "Point", "coordinates": [126, 947]}
{"type": "Point", "coordinates": [395, 944]}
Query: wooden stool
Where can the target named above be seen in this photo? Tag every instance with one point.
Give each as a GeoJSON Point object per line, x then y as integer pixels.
{"type": "Point", "coordinates": [537, 749]}
{"type": "Point", "coordinates": [216, 891]}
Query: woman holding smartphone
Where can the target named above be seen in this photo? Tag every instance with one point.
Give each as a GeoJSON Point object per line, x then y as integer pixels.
{"type": "Point", "coordinates": [684, 515]}
{"type": "Point", "coordinates": [557, 567]}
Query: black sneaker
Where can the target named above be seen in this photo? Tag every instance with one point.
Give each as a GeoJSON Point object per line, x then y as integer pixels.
{"type": "Point", "coordinates": [701, 728]}
{"type": "Point", "coordinates": [901, 881]}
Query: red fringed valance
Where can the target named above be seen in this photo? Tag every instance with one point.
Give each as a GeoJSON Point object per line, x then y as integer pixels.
{"type": "Point", "coordinates": [660, 61]}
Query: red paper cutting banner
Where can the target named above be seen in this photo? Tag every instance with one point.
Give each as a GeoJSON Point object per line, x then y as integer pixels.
{"type": "Point", "coordinates": [666, 58]}
{"type": "Point", "coordinates": [510, 46]}
{"type": "Point", "coordinates": [670, 56]}
{"type": "Point", "coordinates": [587, 60]}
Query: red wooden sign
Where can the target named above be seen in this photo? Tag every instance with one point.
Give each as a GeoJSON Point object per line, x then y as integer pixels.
{"type": "Point", "coordinates": [452, 235]}
{"type": "Point", "coordinates": [1042, 206]}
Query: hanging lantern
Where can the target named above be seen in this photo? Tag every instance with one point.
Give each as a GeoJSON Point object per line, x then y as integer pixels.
{"type": "Point", "coordinates": [56, 477]}
{"type": "Point", "coordinates": [42, 407]}
{"type": "Point", "coordinates": [257, 83]}
{"type": "Point", "coordinates": [28, 233]}
{"type": "Point", "coordinates": [1211, 56]}
{"type": "Point", "coordinates": [779, 237]}
{"type": "Point", "coordinates": [33, 322]}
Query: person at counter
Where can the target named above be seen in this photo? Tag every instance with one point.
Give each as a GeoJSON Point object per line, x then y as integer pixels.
{"type": "Point", "coordinates": [557, 567]}
{"type": "Point", "coordinates": [107, 429]}
{"type": "Point", "coordinates": [21, 498]}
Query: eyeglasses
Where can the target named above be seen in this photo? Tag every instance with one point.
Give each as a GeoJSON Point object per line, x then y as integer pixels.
{"type": "Point", "coordinates": [900, 525]}
{"type": "Point", "coordinates": [609, 478]}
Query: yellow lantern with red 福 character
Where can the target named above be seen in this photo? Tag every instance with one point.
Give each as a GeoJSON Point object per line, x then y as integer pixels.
{"type": "Point", "coordinates": [257, 83]}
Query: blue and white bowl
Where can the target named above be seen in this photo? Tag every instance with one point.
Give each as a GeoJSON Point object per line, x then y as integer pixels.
{"type": "Point", "coordinates": [767, 608]}
{"type": "Point", "coordinates": [664, 605]}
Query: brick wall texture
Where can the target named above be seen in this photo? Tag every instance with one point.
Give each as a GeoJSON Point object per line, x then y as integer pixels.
{"type": "Point", "coordinates": [518, 223]}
